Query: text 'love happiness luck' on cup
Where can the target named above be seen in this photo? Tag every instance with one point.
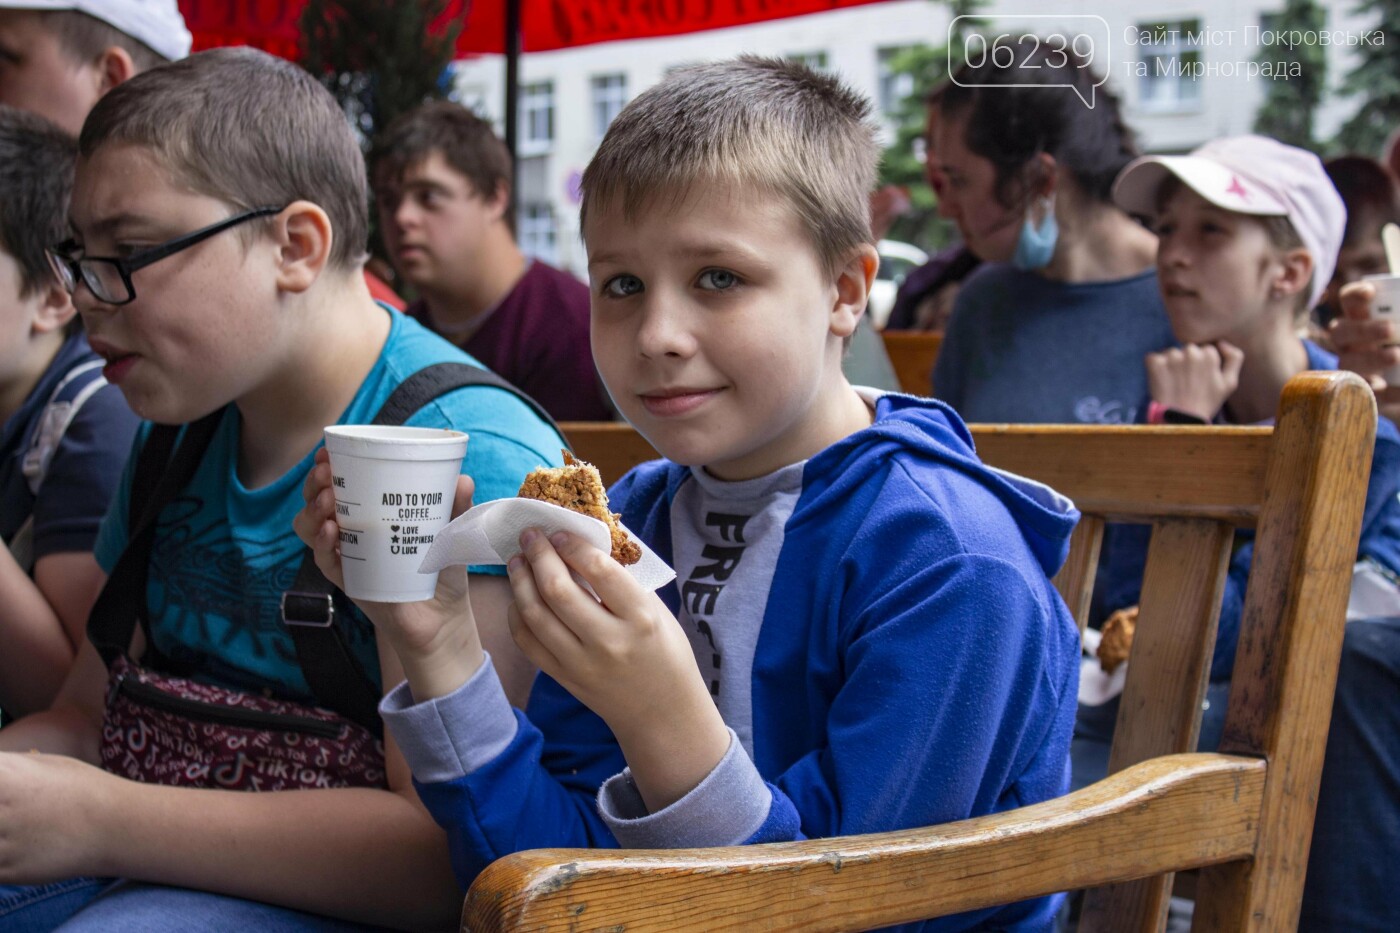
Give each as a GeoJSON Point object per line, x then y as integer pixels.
{"type": "Point", "coordinates": [393, 494]}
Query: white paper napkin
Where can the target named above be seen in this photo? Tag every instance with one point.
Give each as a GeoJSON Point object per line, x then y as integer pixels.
{"type": "Point", "coordinates": [490, 534]}
{"type": "Point", "coordinates": [1095, 687]}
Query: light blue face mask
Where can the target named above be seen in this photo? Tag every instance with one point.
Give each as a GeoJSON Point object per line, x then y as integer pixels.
{"type": "Point", "coordinates": [1036, 245]}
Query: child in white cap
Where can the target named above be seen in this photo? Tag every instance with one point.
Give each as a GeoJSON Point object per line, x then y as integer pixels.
{"type": "Point", "coordinates": [57, 57]}
{"type": "Point", "coordinates": [1249, 230]}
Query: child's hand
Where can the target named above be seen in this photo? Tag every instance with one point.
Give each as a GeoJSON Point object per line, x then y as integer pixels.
{"type": "Point", "coordinates": [626, 658]}
{"type": "Point", "coordinates": [1365, 345]}
{"type": "Point", "coordinates": [421, 632]}
{"type": "Point", "coordinates": [1195, 379]}
{"type": "Point", "coordinates": [52, 817]}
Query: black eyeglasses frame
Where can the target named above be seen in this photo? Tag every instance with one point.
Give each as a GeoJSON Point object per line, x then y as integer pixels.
{"type": "Point", "coordinates": [71, 270]}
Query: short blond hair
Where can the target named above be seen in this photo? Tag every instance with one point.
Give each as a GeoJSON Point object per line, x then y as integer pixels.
{"type": "Point", "coordinates": [763, 123]}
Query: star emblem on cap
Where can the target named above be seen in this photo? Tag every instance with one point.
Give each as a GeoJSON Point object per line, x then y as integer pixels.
{"type": "Point", "coordinates": [1237, 189]}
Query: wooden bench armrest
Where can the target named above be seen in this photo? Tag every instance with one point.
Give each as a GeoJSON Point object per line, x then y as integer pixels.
{"type": "Point", "coordinates": [1172, 812]}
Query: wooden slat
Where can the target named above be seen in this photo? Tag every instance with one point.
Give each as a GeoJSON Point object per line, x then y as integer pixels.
{"type": "Point", "coordinates": [1138, 473]}
{"type": "Point", "coordinates": [1160, 710]}
{"type": "Point", "coordinates": [1075, 581]}
{"type": "Point", "coordinates": [1133, 473]}
{"type": "Point", "coordinates": [1290, 640]}
{"type": "Point", "coordinates": [913, 355]}
{"type": "Point", "coordinates": [1135, 823]}
{"type": "Point", "coordinates": [1167, 671]}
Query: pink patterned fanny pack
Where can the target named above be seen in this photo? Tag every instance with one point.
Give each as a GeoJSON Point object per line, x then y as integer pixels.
{"type": "Point", "coordinates": [161, 729]}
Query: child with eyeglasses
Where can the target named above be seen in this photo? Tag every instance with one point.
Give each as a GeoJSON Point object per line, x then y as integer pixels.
{"type": "Point", "coordinates": [216, 262]}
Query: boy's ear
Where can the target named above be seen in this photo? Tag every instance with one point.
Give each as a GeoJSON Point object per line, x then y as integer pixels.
{"type": "Point", "coordinates": [853, 281]}
{"type": "Point", "coordinates": [499, 200]}
{"type": "Point", "coordinates": [1295, 274]}
{"type": "Point", "coordinates": [53, 309]}
{"type": "Point", "coordinates": [114, 66]}
{"type": "Point", "coordinates": [303, 237]}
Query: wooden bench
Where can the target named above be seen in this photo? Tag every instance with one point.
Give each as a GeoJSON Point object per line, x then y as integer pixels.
{"type": "Point", "coordinates": [913, 354]}
{"type": "Point", "coordinates": [1242, 816]}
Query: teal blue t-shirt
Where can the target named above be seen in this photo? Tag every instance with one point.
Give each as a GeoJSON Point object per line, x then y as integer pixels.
{"type": "Point", "coordinates": [225, 553]}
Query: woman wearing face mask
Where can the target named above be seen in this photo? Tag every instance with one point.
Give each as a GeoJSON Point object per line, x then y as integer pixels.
{"type": "Point", "coordinates": [1054, 326]}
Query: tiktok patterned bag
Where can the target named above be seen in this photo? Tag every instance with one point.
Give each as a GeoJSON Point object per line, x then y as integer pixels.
{"type": "Point", "coordinates": [164, 727]}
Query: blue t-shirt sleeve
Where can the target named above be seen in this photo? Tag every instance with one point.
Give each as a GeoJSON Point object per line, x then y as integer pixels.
{"type": "Point", "coordinates": [83, 475]}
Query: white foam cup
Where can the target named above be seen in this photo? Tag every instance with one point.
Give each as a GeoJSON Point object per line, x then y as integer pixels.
{"type": "Point", "coordinates": [393, 493]}
{"type": "Point", "coordinates": [1387, 305]}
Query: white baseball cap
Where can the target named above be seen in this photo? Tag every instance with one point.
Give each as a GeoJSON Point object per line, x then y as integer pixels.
{"type": "Point", "coordinates": [1250, 175]}
{"type": "Point", "coordinates": [156, 23]}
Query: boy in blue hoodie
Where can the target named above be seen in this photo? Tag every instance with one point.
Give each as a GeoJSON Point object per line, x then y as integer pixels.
{"type": "Point", "coordinates": [862, 635]}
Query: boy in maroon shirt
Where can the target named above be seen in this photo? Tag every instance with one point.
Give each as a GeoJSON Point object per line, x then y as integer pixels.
{"type": "Point", "coordinates": [442, 185]}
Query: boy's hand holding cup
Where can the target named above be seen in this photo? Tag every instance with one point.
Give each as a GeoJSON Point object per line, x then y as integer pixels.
{"type": "Point", "coordinates": [375, 501]}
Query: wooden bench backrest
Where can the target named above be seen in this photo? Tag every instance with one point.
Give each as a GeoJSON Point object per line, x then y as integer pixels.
{"type": "Point", "coordinates": [1242, 816]}
{"type": "Point", "coordinates": [913, 354]}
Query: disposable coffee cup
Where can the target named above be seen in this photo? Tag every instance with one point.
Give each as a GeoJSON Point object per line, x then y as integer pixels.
{"type": "Point", "coordinates": [1387, 305]}
{"type": "Point", "coordinates": [393, 493]}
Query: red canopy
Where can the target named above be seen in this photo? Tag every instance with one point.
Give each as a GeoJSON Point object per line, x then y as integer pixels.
{"type": "Point", "coordinates": [547, 24]}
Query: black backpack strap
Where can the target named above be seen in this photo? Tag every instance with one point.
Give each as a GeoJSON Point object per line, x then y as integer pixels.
{"type": "Point", "coordinates": [156, 481]}
{"type": "Point", "coordinates": [436, 380]}
{"type": "Point", "coordinates": [309, 608]}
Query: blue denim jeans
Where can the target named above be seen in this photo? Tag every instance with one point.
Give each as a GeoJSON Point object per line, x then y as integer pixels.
{"type": "Point", "coordinates": [90, 905]}
{"type": "Point", "coordinates": [1355, 856]}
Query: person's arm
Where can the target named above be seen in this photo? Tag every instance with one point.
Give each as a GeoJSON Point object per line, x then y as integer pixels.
{"type": "Point", "coordinates": [373, 856]}
{"type": "Point", "coordinates": [37, 652]}
{"type": "Point", "coordinates": [974, 615]}
{"type": "Point", "coordinates": [70, 583]}
{"type": "Point", "coordinates": [72, 725]}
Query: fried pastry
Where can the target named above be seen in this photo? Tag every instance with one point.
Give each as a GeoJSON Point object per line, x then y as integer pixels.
{"type": "Point", "coordinates": [577, 486]}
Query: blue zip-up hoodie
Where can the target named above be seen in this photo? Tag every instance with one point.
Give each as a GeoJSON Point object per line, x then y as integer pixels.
{"type": "Point", "coordinates": [914, 666]}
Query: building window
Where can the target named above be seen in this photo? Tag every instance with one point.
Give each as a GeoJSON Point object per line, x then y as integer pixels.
{"type": "Point", "coordinates": [813, 60]}
{"type": "Point", "coordinates": [893, 86]}
{"type": "Point", "coordinates": [609, 97]}
{"type": "Point", "coordinates": [537, 232]}
{"type": "Point", "coordinates": [1169, 81]}
{"type": "Point", "coordinates": [537, 117]}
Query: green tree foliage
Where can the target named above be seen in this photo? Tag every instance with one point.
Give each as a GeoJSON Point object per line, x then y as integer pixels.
{"type": "Point", "coordinates": [1377, 79]}
{"type": "Point", "coordinates": [380, 58]}
{"type": "Point", "coordinates": [1289, 103]}
{"type": "Point", "coordinates": [902, 165]}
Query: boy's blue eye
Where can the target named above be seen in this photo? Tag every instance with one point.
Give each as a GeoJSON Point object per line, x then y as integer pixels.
{"type": "Point", "coordinates": [718, 279]}
{"type": "Point", "coordinates": [621, 286]}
